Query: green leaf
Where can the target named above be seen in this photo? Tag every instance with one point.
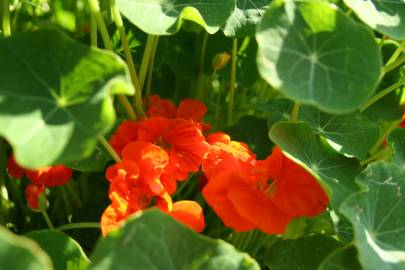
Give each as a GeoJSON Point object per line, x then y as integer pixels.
{"type": "Point", "coordinates": [154, 240]}
{"type": "Point", "coordinates": [276, 110]}
{"type": "Point", "coordinates": [244, 18]}
{"type": "Point", "coordinates": [95, 163]}
{"type": "Point", "coordinates": [307, 50]}
{"type": "Point", "coordinates": [340, 259]}
{"type": "Point", "coordinates": [258, 140]}
{"type": "Point", "coordinates": [378, 216]}
{"type": "Point", "coordinates": [336, 171]}
{"type": "Point", "coordinates": [66, 253]}
{"type": "Point", "coordinates": [301, 254]}
{"type": "Point", "coordinates": [56, 96]}
{"type": "Point", "coordinates": [351, 134]}
{"type": "Point", "coordinates": [387, 17]}
{"type": "Point", "coordinates": [18, 252]}
{"type": "Point", "coordinates": [397, 140]}
{"type": "Point", "coordinates": [158, 17]}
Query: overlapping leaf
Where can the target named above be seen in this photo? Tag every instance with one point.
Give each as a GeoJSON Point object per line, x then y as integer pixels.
{"type": "Point", "coordinates": [66, 253]}
{"type": "Point", "coordinates": [315, 55]}
{"type": "Point", "coordinates": [165, 17]}
{"type": "Point", "coordinates": [334, 170]}
{"type": "Point", "coordinates": [343, 258]}
{"type": "Point", "coordinates": [387, 17]}
{"type": "Point", "coordinates": [18, 252]}
{"type": "Point", "coordinates": [56, 96]}
{"type": "Point", "coordinates": [397, 141]}
{"type": "Point", "coordinates": [154, 240]}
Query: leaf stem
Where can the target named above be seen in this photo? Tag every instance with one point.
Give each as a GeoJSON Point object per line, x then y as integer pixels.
{"type": "Point", "coordinates": [47, 219]}
{"type": "Point", "coordinates": [79, 225]}
{"type": "Point", "coordinates": [128, 56]}
{"type": "Point", "coordinates": [6, 18]}
{"type": "Point", "coordinates": [146, 59]}
{"type": "Point", "coordinates": [396, 54]}
{"type": "Point", "coordinates": [95, 11]}
{"type": "Point", "coordinates": [93, 31]}
{"type": "Point", "coordinates": [233, 81]}
{"type": "Point", "coordinates": [200, 89]}
{"type": "Point", "coordinates": [150, 68]}
{"type": "Point", "coordinates": [381, 94]}
{"type": "Point", "coordinates": [383, 153]}
{"type": "Point", "coordinates": [399, 61]}
{"type": "Point", "coordinates": [109, 148]}
{"type": "Point", "coordinates": [294, 112]}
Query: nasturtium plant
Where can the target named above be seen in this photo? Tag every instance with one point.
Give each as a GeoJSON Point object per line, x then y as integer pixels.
{"type": "Point", "coordinates": [307, 50]}
{"type": "Point", "coordinates": [202, 134]}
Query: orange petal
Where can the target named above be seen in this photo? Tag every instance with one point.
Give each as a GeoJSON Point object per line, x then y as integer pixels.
{"type": "Point", "coordinates": [126, 133]}
{"type": "Point", "coordinates": [191, 109]}
{"type": "Point", "coordinates": [14, 169]}
{"type": "Point", "coordinates": [189, 213]}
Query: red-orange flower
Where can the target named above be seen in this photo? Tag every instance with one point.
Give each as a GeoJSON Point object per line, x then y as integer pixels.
{"type": "Point", "coordinates": [126, 132]}
{"type": "Point", "coordinates": [264, 194]}
{"type": "Point", "coordinates": [189, 213]}
{"type": "Point", "coordinates": [189, 109]}
{"type": "Point", "coordinates": [32, 193]}
{"type": "Point", "coordinates": [14, 169]}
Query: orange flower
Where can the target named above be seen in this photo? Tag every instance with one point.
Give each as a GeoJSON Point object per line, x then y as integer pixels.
{"type": "Point", "coordinates": [189, 213]}
{"type": "Point", "coordinates": [183, 141]}
{"type": "Point", "coordinates": [126, 132]}
{"type": "Point", "coordinates": [189, 109]}
{"type": "Point", "coordinates": [32, 193]}
{"type": "Point", "coordinates": [402, 124]}
{"type": "Point", "coordinates": [264, 194]}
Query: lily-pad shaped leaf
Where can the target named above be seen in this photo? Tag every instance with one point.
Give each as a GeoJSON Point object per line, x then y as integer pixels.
{"type": "Point", "coordinates": [307, 50]}
{"type": "Point", "coordinates": [17, 252]}
{"type": "Point", "coordinates": [378, 217]}
{"type": "Point", "coordinates": [302, 254]}
{"type": "Point", "coordinates": [157, 17]}
{"type": "Point", "coordinates": [351, 134]}
{"type": "Point", "coordinates": [397, 140]}
{"type": "Point", "coordinates": [244, 18]}
{"type": "Point", "coordinates": [66, 253]}
{"type": "Point", "coordinates": [336, 171]}
{"type": "Point", "coordinates": [386, 17]}
{"type": "Point", "coordinates": [343, 258]}
{"type": "Point", "coordinates": [56, 96]}
{"type": "Point", "coordinates": [154, 240]}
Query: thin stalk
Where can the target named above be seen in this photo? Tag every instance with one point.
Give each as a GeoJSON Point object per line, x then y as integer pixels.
{"type": "Point", "coordinates": [246, 240]}
{"type": "Point", "coordinates": [394, 65]}
{"type": "Point", "coordinates": [95, 11]}
{"type": "Point", "coordinates": [294, 112]}
{"type": "Point", "coordinates": [396, 54]}
{"type": "Point", "coordinates": [74, 195]}
{"type": "Point", "coordinates": [109, 148]}
{"type": "Point", "coordinates": [383, 136]}
{"type": "Point", "coordinates": [6, 18]}
{"type": "Point", "coordinates": [200, 89]}
{"type": "Point", "coordinates": [383, 153]}
{"type": "Point", "coordinates": [66, 200]}
{"type": "Point", "coordinates": [150, 68]}
{"type": "Point", "coordinates": [381, 94]}
{"type": "Point", "coordinates": [128, 56]}
{"type": "Point", "coordinates": [146, 59]}
{"type": "Point", "coordinates": [79, 225]}
{"type": "Point", "coordinates": [233, 81]}
{"type": "Point", "coordinates": [93, 31]}
{"type": "Point", "coordinates": [47, 220]}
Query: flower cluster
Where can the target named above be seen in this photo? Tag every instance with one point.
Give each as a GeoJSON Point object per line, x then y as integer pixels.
{"type": "Point", "coordinates": [245, 193]}
{"type": "Point", "coordinates": [41, 178]}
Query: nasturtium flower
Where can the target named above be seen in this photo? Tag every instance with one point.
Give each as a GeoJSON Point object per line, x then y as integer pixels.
{"type": "Point", "coordinates": [32, 193]}
{"type": "Point", "coordinates": [189, 213]}
{"type": "Point", "coordinates": [126, 132]}
{"type": "Point", "coordinates": [266, 195]}
{"type": "Point", "coordinates": [14, 169]}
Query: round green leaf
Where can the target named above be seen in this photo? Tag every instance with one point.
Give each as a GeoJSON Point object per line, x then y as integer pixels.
{"type": "Point", "coordinates": [66, 253]}
{"type": "Point", "coordinates": [158, 17]}
{"type": "Point", "coordinates": [154, 240]}
{"type": "Point", "coordinates": [94, 163]}
{"type": "Point", "coordinates": [18, 252]}
{"type": "Point", "coordinates": [336, 171]}
{"type": "Point", "coordinates": [387, 17]}
{"type": "Point", "coordinates": [244, 18]}
{"type": "Point", "coordinates": [378, 217]}
{"type": "Point", "coordinates": [56, 96]}
{"type": "Point", "coordinates": [397, 140]}
{"type": "Point", "coordinates": [340, 259]}
{"type": "Point", "coordinates": [314, 54]}
{"type": "Point", "coordinates": [301, 254]}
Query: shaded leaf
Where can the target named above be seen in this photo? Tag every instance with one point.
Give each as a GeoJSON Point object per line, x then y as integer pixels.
{"type": "Point", "coordinates": [307, 51]}
{"type": "Point", "coordinates": [334, 170]}
{"type": "Point", "coordinates": [341, 259]}
{"type": "Point", "coordinates": [56, 96]}
{"type": "Point", "coordinates": [397, 140]}
{"type": "Point", "coordinates": [66, 253]}
{"type": "Point", "coordinates": [154, 240]}
{"type": "Point", "coordinates": [378, 216]}
{"type": "Point", "coordinates": [95, 163]}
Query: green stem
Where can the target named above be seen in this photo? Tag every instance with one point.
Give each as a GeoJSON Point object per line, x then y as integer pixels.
{"type": "Point", "coordinates": [145, 60]}
{"type": "Point", "coordinates": [93, 31]}
{"type": "Point", "coordinates": [396, 54]}
{"type": "Point", "coordinates": [66, 200]}
{"type": "Point", "coordinates": [233, 81]}
{"type": "Point", "coordinates": [247, 240]}
{"type": "Point", "coordinates": [47, 220]}
{"type": "Point", "coordinates": [399, 61]}
{"type": "Point", "coordinates": [109, 148]}
{"type": "Point", "coordinates": [200, 82]}
{"type": "Point", "coordinates": [381, 94]}
{"type": "Point", "coordinates": [74, 195]}
{"type": "Point", "coordinates": [150, 68]}
{"type": "Point", "coordinates": [79, 225]}
{"type": "Point", "coordinates": [6, 18]}
{"type": "Point", "coordinates": [294, 112]}
{"type": "Point", "coordinates": [128, 56]}
{"type": "Point", "coordinates": [383, 136]}
{"type": "Point", "coordinates": [95, 11]}
{"type": "Point", "coordinates": [383, 153]}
